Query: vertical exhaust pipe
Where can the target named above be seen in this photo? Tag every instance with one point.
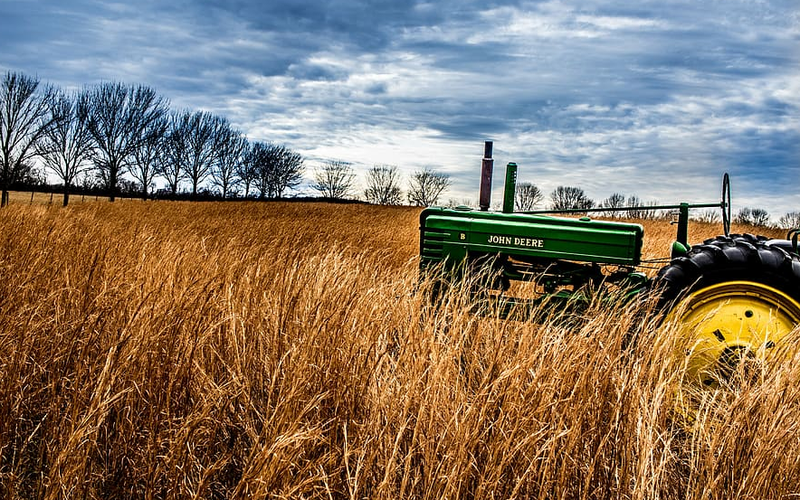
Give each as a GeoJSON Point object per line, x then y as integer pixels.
{"type": "Point", "coordinates": [510, 189]}
{"type": "Point", "coordinates": [487, 165]}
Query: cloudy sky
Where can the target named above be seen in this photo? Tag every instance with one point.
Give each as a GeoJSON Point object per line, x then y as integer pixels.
{"type": "Point", "coordinates": [654, 97]}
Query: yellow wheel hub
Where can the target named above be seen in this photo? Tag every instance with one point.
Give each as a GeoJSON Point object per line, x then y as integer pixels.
{"type": "Point", "coordinates": [729, 329]}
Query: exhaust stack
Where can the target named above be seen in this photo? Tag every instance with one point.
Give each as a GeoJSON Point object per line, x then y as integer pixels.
{"type": "Point", "coordinates": [487, 165]}
{"type": "Point", "coordinates": [510, 189]}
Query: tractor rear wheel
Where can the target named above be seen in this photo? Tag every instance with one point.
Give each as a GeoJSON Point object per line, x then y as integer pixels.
{"type": "Point", "coordinates": [736, 299]}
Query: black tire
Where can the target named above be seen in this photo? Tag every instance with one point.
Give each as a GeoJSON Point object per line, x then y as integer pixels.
{"type": "Point", "coordinates": [738, 257]}
{"type": "Point", "coordinates": [734, 299]}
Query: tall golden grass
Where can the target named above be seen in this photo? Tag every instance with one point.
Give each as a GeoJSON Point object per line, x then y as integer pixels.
{"type": "Point", "coordinates": [56, 198]}
{"type": "Point", "coordinates": [242, 350]}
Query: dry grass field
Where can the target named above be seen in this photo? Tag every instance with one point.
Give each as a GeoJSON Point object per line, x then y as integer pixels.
{"type": "Point", "coordinates": [245, 350]}
{"type": "Point", "coordinates": [55, 198]}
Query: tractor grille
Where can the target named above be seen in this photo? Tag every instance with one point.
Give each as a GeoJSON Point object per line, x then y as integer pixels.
{"type": "Point", "coordinates": [432, 249]}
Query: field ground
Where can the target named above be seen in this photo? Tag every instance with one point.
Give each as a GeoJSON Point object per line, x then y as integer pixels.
{"type": "Point", "coordinates": [54, 198]}
{"type": "Point", "coordinates": [282, 350]}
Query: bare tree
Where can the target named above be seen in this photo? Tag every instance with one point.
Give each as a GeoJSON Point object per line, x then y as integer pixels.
{"type": "Point", "coordinates": [790, 220]}
{"type": "Point", "coordinates": [202, 135]}
{"type": "Point", "coordinates": [570, 198]}
{"type": "Point", "coordinates": [24, 118]}
{"type": "Point", "coordinates": [743, 216]}
{"type": "Point", "coordinates": [383, 185]}
{"type": "Point", "coordinates": [527, 197]}
{"type": "Point", "coordinates": [272, 169]}
{"type": "Point", "coordinates": [634, 207]}
{"type": "Point", "coordinates": [638, 209]}
{"type": "Point", "coordinates": [708, 216]}
{"type": "Point", "coordinates": [760, 217]}
{"type": "Point", "coordinates": [148, 156]}
{"type": "Point", "coordinates": [614, 204]}
{"type": "Point", "coordinates": [246, 170]}
{"type": "Point", "coordinates": [426, 186]}
{"type": "Point", "coordinates": [174, 153]}
{"type": "Point", "coordinates": [66, 146]}
{"type": "Point", "coordinates": [87, 181]}
{"type": "Point", "coordinates": [752, 217]}
{"type": "Point", "coordinates": [463, 202]}
{"type": "Point", "coordinates": [287, 173]}
{"type": "Point", "coordinates": [334, 179]}
{"type": "Point", "coordinates": [231, 148]}
{"type": "Point", "coordinates": [266, 157]}
{"type": "Point", "coordinates": [119, 119]}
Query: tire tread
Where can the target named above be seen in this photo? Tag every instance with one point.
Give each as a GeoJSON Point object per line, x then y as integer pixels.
{"type": "Point", "coordinates": [728, 258]}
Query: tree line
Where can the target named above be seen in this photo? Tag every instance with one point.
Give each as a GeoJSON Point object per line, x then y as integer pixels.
{"type": "Point", "coordinates": [570, 198]}
{"type": "Point", "coordinates": [529, 198]}
{"type": "Point", "coordinates": [94, 137]}
{"type": "Point", "coordinates": [100, 133]}
{"type": "Point", "coordinates": [336, 179]}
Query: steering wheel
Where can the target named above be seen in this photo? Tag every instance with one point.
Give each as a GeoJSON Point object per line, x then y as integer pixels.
{"type": "Point", "coordinates": [726, 204]}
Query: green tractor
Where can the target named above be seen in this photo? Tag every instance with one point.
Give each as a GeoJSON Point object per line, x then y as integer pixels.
{"type": "Point", "coordinates": [735, 296]}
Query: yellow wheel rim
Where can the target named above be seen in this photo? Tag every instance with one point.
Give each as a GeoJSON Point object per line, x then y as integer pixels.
{"type": "Point", "coordinates": [727, 330]}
